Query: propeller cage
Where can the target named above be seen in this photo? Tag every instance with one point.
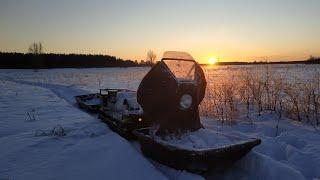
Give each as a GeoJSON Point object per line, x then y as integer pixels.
{"type": "Point", "coordinates": [171, 92]}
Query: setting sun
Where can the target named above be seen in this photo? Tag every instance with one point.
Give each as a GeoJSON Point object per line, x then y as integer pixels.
{"type": "Point", "coordinates": [212, 60]}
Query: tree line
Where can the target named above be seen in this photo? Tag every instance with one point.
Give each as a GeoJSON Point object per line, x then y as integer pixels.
{"type": "Point", "coordinates": [37, 59]}
{"type": "Point", "coordinates": [310, 60]}
{"type": "Point", "coordinates": [43, 61]}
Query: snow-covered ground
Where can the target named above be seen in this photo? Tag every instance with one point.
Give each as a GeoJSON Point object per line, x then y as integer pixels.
{"type": "Point", "coordinates": [43, 135]}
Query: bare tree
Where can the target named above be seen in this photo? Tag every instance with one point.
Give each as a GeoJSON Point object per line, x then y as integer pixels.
{"type": "Point", "coordinates": [151, 56]}
{"type": "Point", "coordinates": [35, 48]}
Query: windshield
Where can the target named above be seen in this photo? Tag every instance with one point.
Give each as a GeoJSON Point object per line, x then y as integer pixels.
{"type": "Point", "coordinates": [182, 70]}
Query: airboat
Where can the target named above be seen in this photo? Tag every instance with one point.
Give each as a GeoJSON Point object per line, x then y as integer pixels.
{"type": "Point", "coordinates": [163, 115]}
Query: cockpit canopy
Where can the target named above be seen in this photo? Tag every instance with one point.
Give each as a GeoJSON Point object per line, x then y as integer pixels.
{"type": "Point", "coordinates": [181, 65]}
{"type": "Point", "coordinates": [182, 70]}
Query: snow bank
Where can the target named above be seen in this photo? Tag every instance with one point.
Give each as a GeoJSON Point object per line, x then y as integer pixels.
{"type": "Point", "coordinates": [259, 166]}
{"type": "Point", "coordinates": [293, 153]}
{"type": "Point", "coordinates": [87, 150]}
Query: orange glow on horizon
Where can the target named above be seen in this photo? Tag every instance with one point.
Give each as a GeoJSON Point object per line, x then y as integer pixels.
{"type": "Point", "coordinates": [212, 60]}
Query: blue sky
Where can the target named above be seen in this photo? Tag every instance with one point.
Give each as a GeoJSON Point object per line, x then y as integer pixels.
{"type": "Point", "coordinates": [229, 29]}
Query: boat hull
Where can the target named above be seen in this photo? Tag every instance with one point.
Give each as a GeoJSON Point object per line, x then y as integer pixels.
{"type": "Point", "coordinates": [197, 161]}
{"type": "Point", "coordinates": [123, 129]}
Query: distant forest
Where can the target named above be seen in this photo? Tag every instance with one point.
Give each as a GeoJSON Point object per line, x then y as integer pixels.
{"type": "Point", "coordinates": [10, 60]}
{"type": "Point", "coordinates": [311, 60]}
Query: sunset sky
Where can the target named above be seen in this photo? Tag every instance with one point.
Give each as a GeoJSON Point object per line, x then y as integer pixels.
{"type": "Point", "coordinates": [234, 30]}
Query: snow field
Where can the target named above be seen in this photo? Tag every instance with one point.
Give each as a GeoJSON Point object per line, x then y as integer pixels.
{"type": "Point", "coordinates": [32, 101]}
